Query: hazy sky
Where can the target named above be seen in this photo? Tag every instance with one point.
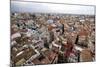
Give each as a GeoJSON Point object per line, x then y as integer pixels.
{"type": "Point", "coordinates": [51, 8]}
